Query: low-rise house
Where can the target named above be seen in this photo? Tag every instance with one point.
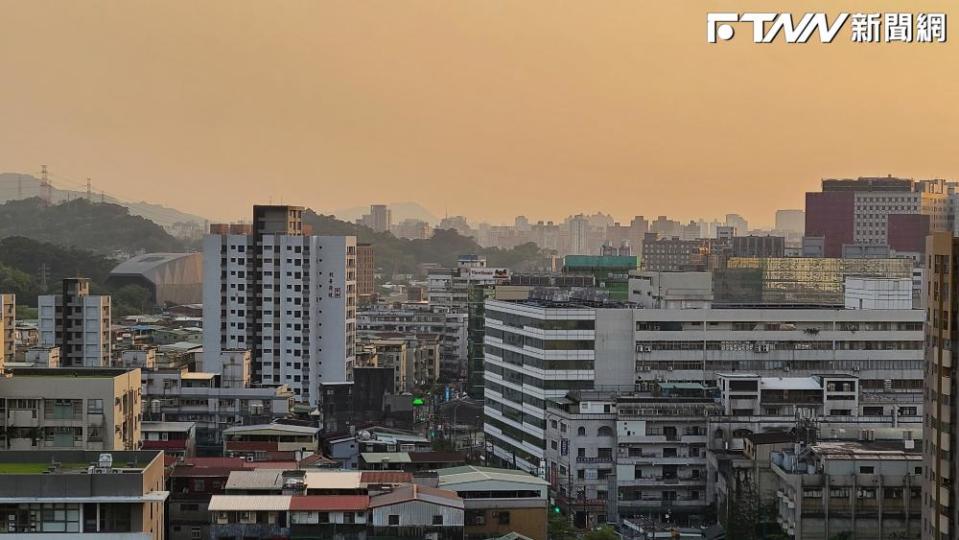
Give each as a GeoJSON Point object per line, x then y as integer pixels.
{"type": "Point", "coordinates": [176, 439]}
{"type": "Point", "coordinates": [251, 441]}
{"type": "Point", "coordinates": [498, 501]}
{"type": "Point", "coordinates": [415, 511]}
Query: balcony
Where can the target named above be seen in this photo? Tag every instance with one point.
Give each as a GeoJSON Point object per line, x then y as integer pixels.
{"type": "Point", "coordinates": [596, 459]}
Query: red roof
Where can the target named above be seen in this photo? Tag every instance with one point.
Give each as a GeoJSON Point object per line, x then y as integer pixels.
{"type": "Point", "coordinates": [328, 503]}
{"type": "Point", "coordinates": [386, 477]}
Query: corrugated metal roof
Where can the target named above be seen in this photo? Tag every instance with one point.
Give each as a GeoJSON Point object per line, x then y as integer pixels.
{"type": "Point", "coordinates": [437, 457]}
{"type": "Point", "coordinates": [472, 473]}
{"type": "Point", "coordinates": [386, 477]}
{"type": "Point", "coordinates": [257, 503]}
{"type": "Point", "coordinates": [264, 479]}
{"type": "Point", "coordinates": [388, 457]}
{"type": "Point", "coordinates": [326, 503]}
{"type": "Point", "coordinates": [414, 492]}
{"type": "Point", "coordinates": [272, 428]}
{"type": "Point", "coordinates": [332, 480]}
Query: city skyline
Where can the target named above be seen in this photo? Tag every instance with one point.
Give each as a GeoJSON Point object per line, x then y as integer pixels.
{"type": "Point", "coordinates": [488, 111]}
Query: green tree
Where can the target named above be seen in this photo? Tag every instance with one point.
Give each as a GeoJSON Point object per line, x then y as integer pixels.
{"type": "Point", "coordinates": [26, 312]}
{"type": "Point", "coordinates": [98, 227]}
{"type": "Point", "coordinates": [130, 300]}
{"type": "Point", "coordinates": [560, 528]}
{"type": "Point", "coordinates": [602, 533]}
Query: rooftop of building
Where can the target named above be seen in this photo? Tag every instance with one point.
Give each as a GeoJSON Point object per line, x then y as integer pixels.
{"type": "Point", "coordinates": [73, 461]}
{"type": "Point", "coordinates": [70, 372]}
{"type": "Point", "coordinates": [386, 477]}
{"type": "Point", "coordinates": [414, 492]}
{"type": "Point", "coordinates": [271, 429]}
{"type": "Point", "coordinates": [870, 450]}
{"type": "Point", "coordinates": [149, 262]}
{"type": "Point", "coordinates": [473, 473]}
{"type": "Point", "coordinates": [172, 427]}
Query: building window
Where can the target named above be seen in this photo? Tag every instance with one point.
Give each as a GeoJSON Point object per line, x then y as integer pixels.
{"type": "Point", "coordinates": [195, 533]}
{"type": "Point", "coordinates": [503, 518]}
{"type": "Point", "coordinates": [863, 469]}
{"type": "Point", "coordinates": [94, 406]}
{"type": "Point", "coordinates": [394, 519]}
{"type": "Point", "coordinates": [438, 519]}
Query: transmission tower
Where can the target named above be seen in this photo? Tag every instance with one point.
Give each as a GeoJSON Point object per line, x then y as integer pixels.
{"type": "Point", "coordinates": [46, 191]}
{"type": "Point", "coordinates": [43, 277]}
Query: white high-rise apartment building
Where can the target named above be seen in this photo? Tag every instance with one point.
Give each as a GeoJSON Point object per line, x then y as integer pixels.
{"type": "Point", "coordinates": [289, 298]}
{"type": "Point", "coordinates": [77, 322]}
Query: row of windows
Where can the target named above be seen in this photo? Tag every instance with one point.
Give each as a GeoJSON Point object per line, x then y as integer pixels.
{"type": "Point", "coordinates": [519, 321]}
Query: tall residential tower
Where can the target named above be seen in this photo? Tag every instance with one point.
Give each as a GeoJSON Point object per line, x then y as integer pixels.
{"type": "Point", "coordinates": [288, 298]}
{"type": "Point", "coordinates": [78, 322]}
{"type": "Point", "coordinates": [939, 437]}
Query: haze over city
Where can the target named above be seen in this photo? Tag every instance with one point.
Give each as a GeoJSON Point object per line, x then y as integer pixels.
{"type": "Point", "coordinates": [483, 109]}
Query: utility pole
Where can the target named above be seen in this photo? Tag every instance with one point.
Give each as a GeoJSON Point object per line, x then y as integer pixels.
{"type": "Point", "coordinates": [89, 192]}
{"type": "Point", "coordinates": [19, 186]}
{"type": "Point", "coordinates": [46, 194]}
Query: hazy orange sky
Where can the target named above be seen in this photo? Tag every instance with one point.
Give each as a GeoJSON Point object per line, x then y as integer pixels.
{"type": "Point", "coordinates": [482, 107]}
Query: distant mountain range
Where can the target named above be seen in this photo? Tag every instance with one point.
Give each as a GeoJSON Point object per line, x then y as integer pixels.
{"type": "Point", "coordinates": [401, 211]}
{"type": "Point", "coordinates": [14, 186]}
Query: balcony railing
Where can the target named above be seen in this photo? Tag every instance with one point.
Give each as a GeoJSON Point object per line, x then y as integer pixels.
{"type": "Point", "coordinates": [596, 459]}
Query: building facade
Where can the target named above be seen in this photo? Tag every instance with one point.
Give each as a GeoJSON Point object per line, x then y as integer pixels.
{"type": "Point", "coordinates": [940, 510]}
{"type": "Point", "coordinates": [288, 298]}
{"type": "Point", "coordinates": [77, 322]}
{"type": "Point", "coordinates": [56, 494]}
{"type": "Point", "coordinates": [70, 408]}
{"type": "Point", "coordinates": [538, 350]}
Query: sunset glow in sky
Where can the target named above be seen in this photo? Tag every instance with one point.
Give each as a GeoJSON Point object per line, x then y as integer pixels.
{"type": "Point", "coordinates": [479, 107]}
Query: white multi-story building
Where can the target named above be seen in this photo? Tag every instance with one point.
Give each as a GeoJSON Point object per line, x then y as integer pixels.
{"type": "Point", "coordinates": [537, 350]}
{"type": "Point", "coordinates": [671, 290]}
{"type": "Point", "coordinates": [289, 298]}
{"type": "Point", "coordinates": [448, 288]}
{"type": "Point", "coordinates": [448, 326]}
{"type": "Point", "coordinates": [77, 322]}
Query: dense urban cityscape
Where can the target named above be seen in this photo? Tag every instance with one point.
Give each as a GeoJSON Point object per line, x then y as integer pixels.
{"type": "Point", "coordinates": [276, 378]}
{"type": "Point", "coordinates": [478, 270]}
